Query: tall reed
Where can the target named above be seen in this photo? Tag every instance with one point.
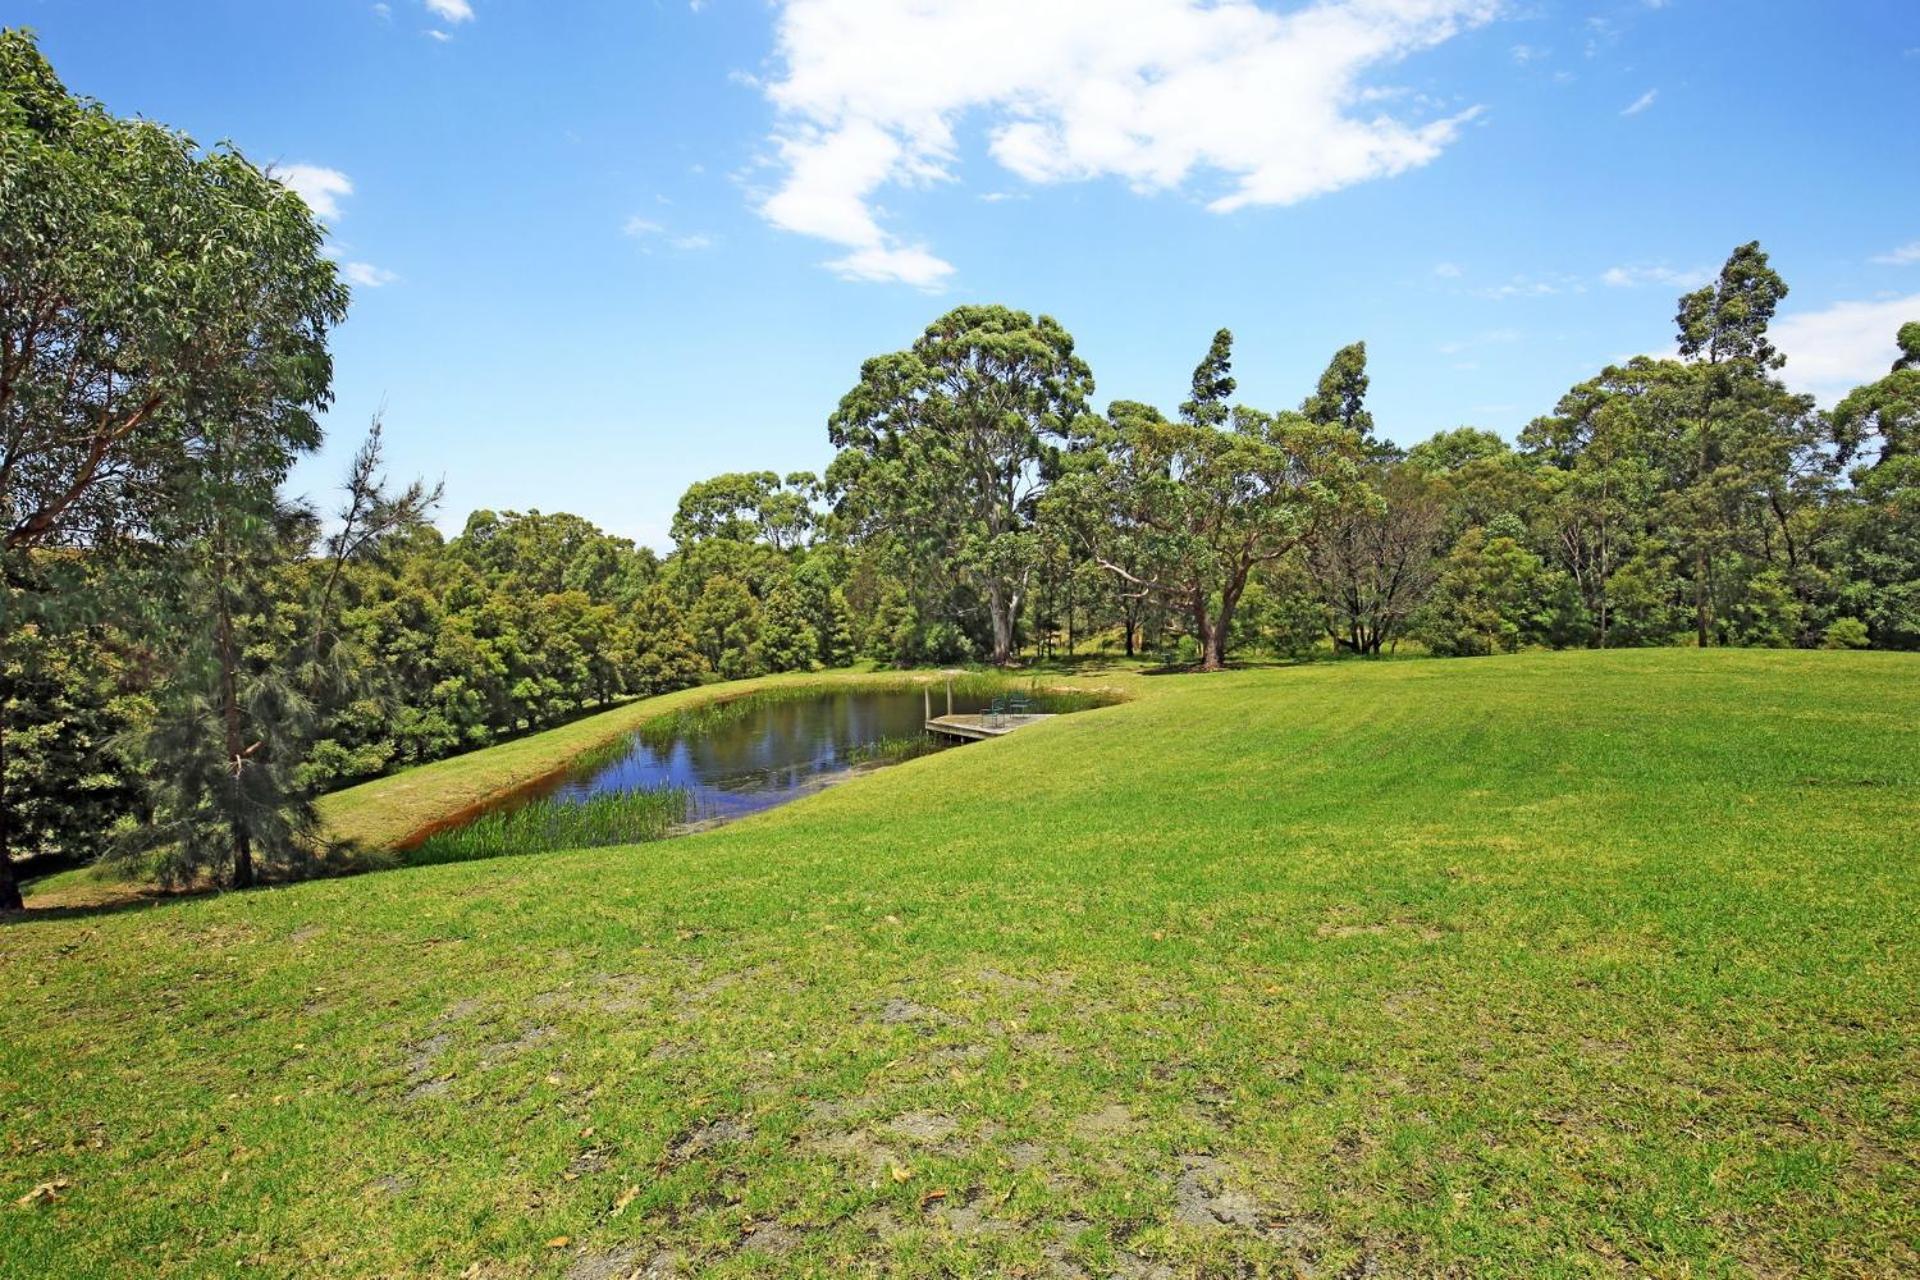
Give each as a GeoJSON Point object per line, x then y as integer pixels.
{"type": "Point", "coordinates": [627, 817]}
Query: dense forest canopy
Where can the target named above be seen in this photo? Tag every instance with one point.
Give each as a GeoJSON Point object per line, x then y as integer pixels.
{"type": "Point", "coordinates": [187, 657]}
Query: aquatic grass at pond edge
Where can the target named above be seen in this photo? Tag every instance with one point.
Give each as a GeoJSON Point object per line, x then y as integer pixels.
{"type": "Point", "coordinates": [628, 817]}
{"type": "Point", "coordinates": [894, 750]}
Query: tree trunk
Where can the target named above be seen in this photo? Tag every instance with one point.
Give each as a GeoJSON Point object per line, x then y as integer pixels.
{"type": "Point", "coordinates": [10, 899]}
{"type": "Point", "coordinates": [1002, 625]}
{"type": "Point", "coordinates": [1215, 646]}
{"type": "Point", "coordinates": [243, 877]}
{"type": "Point", "coordinates": [1700, 597]}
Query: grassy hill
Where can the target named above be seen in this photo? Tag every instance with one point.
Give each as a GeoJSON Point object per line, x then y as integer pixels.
{"type": "Point", "coordinates": [1558, 965]}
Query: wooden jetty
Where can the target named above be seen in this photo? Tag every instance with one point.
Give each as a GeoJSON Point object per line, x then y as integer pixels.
{"type": "Point", "coordinates": [977, 727]}
{"type": "Point", "coordinates": [974, 728]}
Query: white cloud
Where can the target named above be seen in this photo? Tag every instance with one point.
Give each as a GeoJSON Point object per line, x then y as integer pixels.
{"type": "Point", "coordinates": [698, 240]}
{"type": "Point", "coordinates": [1906, 255]}
{"type": "Point", "coordinates": [434, 33]}
{"type": "Point", "coordinates": [383, 12]}
{"type": "Point", "coordinates": [1268, 107]}
{"type": "Point", "coordinates": [451, 10]}
{"type": "Point", "coordinates": [639, 226]}
{"type": "Point", "coordinates": [1641, 103]}
{"type": "Point", "coordinates": [1633, 277]}
{"type": "Point", "coordinates": [320, 187]}
{"type": "Point", "coordinates": [1833, 351]}
{"type": "Point", "coordinates": [1448, 271]}
{"type": "Point", "coordinates": [366, 275]}
{"type": "Point", "coordinates": [898, 264]}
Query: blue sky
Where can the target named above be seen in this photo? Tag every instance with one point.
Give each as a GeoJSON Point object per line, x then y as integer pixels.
{"type": "Point", "coordinates": [609, 247]}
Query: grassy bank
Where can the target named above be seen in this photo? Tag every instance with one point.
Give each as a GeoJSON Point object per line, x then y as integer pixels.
{"type": "Point", "coordinates": [380, 815]}
{"type": "Point", "coordinates": [1558, 965]}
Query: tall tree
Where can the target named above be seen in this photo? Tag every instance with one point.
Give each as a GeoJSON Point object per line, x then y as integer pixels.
{"type": "Point", "coordinates": [1190, 509]}
{"type": "Point", "coordinates": [948, 444]}
{"type": "Point", "coordinates": [1375, 563]}
{"type": "Point", "coordinates": [142, 281]}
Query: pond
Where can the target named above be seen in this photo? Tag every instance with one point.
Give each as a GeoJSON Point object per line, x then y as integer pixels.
{"type": "Point", "coordinates": [736, 763]}
{"type": "Point", "coordinates": [711, 764]}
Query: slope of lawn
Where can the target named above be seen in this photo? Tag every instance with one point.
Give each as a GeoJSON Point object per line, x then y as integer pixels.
{"type": "Point", "coordinates": [1557, 965]}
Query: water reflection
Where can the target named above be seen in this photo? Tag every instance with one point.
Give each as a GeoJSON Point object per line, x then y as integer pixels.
{"type": "Point", "coordinates": [773, 752]}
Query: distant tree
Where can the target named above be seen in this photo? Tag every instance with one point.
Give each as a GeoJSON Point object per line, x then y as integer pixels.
{"type": "Point", "coordinates": [664, 654]}
{"type": "Point", "coordinates": [1340, 398]}
{"type": "Point", "coordinates": [745, 506]}
{"type": "Point", "coordinates": [725, 622]}
{"type": "Point", "coordinates": [1494, 595]}
{"type": "Point", "coordinates": [1744, 436]}
{"type": "Point", "coordinates": [1887, 411]}
{"type": "Point", "coordinates": [1374, 564]}
{"type": "Point", "coordinates": [945, 447]}
{"type": "Point", "coordinates": [1191, 510]}
{"type": "Point", "coordinates": [788, 641]}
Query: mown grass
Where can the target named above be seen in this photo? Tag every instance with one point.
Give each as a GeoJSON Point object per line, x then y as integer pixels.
{"type": "Point", "coordinates": [547, 826]}
{"type": "Point", "coordinates": [1548, 966]}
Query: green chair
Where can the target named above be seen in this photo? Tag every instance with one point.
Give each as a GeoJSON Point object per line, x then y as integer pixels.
{"type": "Point", "coordinates": [1017, 704]}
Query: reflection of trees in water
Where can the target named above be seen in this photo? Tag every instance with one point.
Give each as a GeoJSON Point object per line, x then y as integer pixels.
{"type": "Point", "coordinates": [772, 753]}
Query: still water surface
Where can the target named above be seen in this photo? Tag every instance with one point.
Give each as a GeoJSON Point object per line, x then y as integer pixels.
{"type": "Point", "coordinates": [772, 753]}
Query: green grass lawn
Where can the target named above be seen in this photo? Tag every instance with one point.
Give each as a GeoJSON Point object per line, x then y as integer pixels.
{"type": "Point", "coordinates": [1557, 965]}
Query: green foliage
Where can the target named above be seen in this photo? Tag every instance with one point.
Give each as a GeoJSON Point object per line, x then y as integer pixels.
{"type": "Point", "coordinates": [787, 641]}
{"type": "Point", "coordinates": [944, 449]}
{"type": "Point", "coordinates": [1846, 633]}
{"type": "Point", "coordinates": [725, 623]}
{"type": "Point", "coordinates": [626, 817]}
{"type": "Point", "coordinates": [65, 707]}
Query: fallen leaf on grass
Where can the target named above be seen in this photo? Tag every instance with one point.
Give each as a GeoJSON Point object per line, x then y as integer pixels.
{"type": "Point", "coordinates": [559, 1242]}
{"type": "Point", "coordinates": [45, 1193]}
{"type": "Point", "coordinates": [627, 1197]}
{"type": "Point", "coordinates": [938, 1193]}
{"type": "Point", "coordinates": [902, 1175]}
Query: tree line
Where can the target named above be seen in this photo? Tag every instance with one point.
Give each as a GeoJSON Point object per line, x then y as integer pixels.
{"type": "Point", "coordinates": [188, 657]}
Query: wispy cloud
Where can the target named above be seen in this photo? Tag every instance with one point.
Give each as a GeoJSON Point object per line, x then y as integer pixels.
{"type": "Point", "coordinates": [434, 33]}
{"type": "Point", "coordinates": [1523, 286]}
{"type": "Point", "coordinates": [366, 275]}
{"type": "Point", "coordinates": [451, 10]}
{"type": "Point", "coordinates": [1265, 107]}
{"type": "Point", "coordinates": [647, 229]}
{"type": "Point", "coordinates": [1448, 270]}
{"type": "Point", "coordinates": [1906, 255]}
{"type": "Point", "coordinates": [1641, 103]}
{"type": "Point", "coordinates": [322, 188]}
{"type": "Point", "coordinates": [1633, 277]}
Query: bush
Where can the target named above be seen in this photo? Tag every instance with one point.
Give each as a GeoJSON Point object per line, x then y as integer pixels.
{"type": "Point", "coordinates": [1846, 633]}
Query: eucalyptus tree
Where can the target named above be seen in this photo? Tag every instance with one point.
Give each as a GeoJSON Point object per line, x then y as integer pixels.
{"type": "Point", "coordinates": [1886, 412]}
{"type": "Point", "coordinates": [145, 283]}
{"type": "Point", "coordinates": [1747, 450]}
{"type": "Point", "coordinates": [1187, 511]}
{"type": "Point", "coordinates": [745, 506]}
{"type": "Point", "coordinates": [946, 447]}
